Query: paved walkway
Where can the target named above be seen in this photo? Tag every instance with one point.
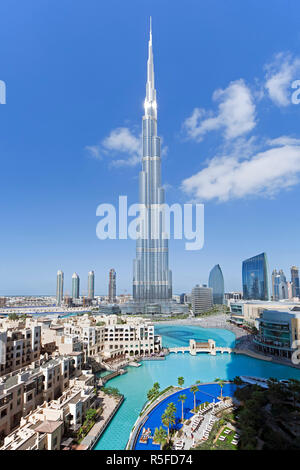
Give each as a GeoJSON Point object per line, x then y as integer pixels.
{"type": "Point", "coordinates": [192, 438]}
{"type": "Point", "coordinates": [109, 405]}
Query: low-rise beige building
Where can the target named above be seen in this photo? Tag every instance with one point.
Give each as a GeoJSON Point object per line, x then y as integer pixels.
{"type": "Point", "coordinates": [43, 428]}
{"type": "Point", "coordinates": [18, 347]}
{"type": "Point", "coordinates": [247, 312]}
{"type": "Point", "coordinates": [45, 380]}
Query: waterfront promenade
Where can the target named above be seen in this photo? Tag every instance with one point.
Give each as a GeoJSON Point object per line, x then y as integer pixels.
{"type": "Point", "coordinates": [110, 406]}
{"type": "Point", "coordinates": [219, 321]}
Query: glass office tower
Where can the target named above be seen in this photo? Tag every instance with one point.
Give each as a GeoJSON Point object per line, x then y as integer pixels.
{"type": "Point", "coordinates": [112, 286]}
{"type": "Point", "coordinates": [152, 279]}
{"type": "Point", "coordinates": [59, 287]}
{"type": "Point", "coordinates": [255, 278]}
{"type": "Point", "coordinates": [295, 281]}
{"type": "Point", "coordinates": [75, 286]}
{"type": "Point", "coordinates": [216, 282]}
{"type": "Point", "coordinates": [91, 285]}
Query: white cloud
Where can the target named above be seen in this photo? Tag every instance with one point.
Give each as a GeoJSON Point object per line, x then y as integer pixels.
{"type": "Point", "coordinates": [120, 142]}
{"type": "Point", "coordinates": [284, 140]}
{"type": "Point", "coordinates": [265, 173]}
{"type": "Point", "coordinates": [235, 116]}
{"type": "Point", "coordinates": [123, 141]}
{"type": "Point", "coordinates": [93, 151]}
{"type": "Point", "coordinates": [280, 74]}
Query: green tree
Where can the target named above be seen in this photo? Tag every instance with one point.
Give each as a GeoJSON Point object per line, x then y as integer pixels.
{"type": "Point", "coordinates": [182, 398]}
{"type": "Point", "coordinates": [180, 381]}
{"type": "Point", "coordinates": [156, 386]}
{"type": "Point", "coordinates": [237, 380]}
{"type": "Point", "coordinates": [194, 389]}
{"type": "Point", "coordinates": [160, 436]}
{"type": "Point", "coordinates": [221, 383]}
{"type": "Point", "coordinates": [294, 388]}
{"type": "Point", "coordinates": [154, 391]}
{"type": "Point", "coordinates": [13, 316]}
{"type": "Point", "coordinates": [168, 417]}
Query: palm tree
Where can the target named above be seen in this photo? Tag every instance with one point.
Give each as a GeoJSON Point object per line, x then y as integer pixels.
{"type": "Point", "coordinates": [194, 389]}
{"type": "Point", "coordinates": [172, 407]}
{"type": "Point", "coordinates": [160, 436]}
{"type": "Point", "coordinates": [168, 418]}
{"type": "Point", "coordinates": [182, 398]}
{"type": "Point", "coordinates": [153, 392]}
{"type": "Point", "coordinates": [221, 383]}
{"type": "Point", "coordinates": [180, 381]}
{"type": "Point", "coordinates": [156, 386]}
{"type": "Point", "coordinates": [198, 382]}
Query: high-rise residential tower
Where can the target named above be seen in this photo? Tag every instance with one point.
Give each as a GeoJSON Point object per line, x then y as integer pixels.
{"type": "Point", "coordinates": [112, 288]}
{"type": "Point", "coordinates": [75, 286]}
{"type": "Point", "coordinates": [59, 287]}
{"type": "Point", "coordinates": [216, 282]}
{"type": "Point", "coordinates": [255, 278]}
{"type": "Point", "coordinates": [295, 281]}
{"type": "Point", "coordinates": [91, 285]}
{"type": "Point", "coordinates": [202, 299]}
{"type": "Point", "coordinates": [152, 279]}
{"type": "Point", "coordinates": [279, 285]}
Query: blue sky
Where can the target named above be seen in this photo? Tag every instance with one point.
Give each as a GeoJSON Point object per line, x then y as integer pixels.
{"type": "Point", "coordinates": [75, 73]}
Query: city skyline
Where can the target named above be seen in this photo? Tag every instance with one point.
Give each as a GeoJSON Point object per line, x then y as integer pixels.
{"type": "Point", "coordinates": [93, 137]}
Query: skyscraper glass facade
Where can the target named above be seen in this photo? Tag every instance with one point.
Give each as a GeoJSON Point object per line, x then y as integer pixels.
{"type": "Point", "coordinates": [295, 281]}
{"type": "Point", "coordinates": [255, 278]}
{"type": "Point", "coordinates": [91, 285]}
{"type": "Point", "coordinates": [112, 286]}
{"type": "Point", "coordinates": [75, 286]}
{"type": "Point", "coordinates": [152, 279]}
{"type": "Point", "coordinates": [59, 287]}
{"type": "Point", "coordinates": [279, 285]}
{"type": "Point", "coordinates": [216, 282]}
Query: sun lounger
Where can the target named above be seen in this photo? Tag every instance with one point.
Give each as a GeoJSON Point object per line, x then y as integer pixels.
{"type": "Point", "coordinates": [222, 438]}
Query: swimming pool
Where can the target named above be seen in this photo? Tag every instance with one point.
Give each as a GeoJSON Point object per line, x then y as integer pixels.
{"type": "Point", "coordinates": [136, 383]}
{"type": "Point", "coordinates": [207, 393]}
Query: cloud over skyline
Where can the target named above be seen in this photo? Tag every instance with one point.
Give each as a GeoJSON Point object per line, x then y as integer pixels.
{"type": "Point", "coordinates": [246, 166]}
{"type": "Point", "coordinates": [235, 116]}
{"type": "Point", "coordinates": [233, 176]}
{"type": "Point", "coordinates": [120, 141]}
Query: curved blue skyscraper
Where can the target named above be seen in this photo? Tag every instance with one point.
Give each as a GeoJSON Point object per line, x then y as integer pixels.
{"type": "Point", "coordinates": [216, 282]}
{"type": "Point", "coordinates": [152, 279]}
{"type": "Point", "coordinates": [256, 278]}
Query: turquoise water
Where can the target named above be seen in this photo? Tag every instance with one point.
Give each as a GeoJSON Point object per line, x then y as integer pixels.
{"type": "Point", "coordinates": [179, 335]}
{"type": "Point", "coordinates": [135, 384]}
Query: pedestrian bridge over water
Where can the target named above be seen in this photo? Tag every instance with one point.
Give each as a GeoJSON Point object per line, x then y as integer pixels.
{"type": "Point", "coordinates": [196, 347]}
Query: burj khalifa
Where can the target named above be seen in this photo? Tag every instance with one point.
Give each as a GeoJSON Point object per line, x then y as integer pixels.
{"type": "Point", "coordinates": [152, 278]}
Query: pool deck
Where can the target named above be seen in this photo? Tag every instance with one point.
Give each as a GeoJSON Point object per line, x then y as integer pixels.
{"type": "Point", "coordinates": [151, 418]}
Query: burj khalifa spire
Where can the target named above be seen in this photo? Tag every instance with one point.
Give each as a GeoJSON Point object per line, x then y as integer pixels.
{"type": "Point", "coordinates": [152, 279]}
